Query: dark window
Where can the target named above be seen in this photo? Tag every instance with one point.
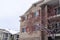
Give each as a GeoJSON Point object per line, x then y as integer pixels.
{"type": "Point", "coordinates": [16, 39]}
{"type": "Point", "coordinates": [57, 10]}
{"type": "Point", "coordinates": [58, 24]}
{"type": "Point", "coordinates": [17, 36]}
{"type": "Point", "coordinates": [5, 39]}
{"type": "Point", "coordinates": [6, 34]}
{"type": "Point", "coordinates": [34, 13]}
{"type": "Point", "coordinates": [24, 18]}
{"type": "Point", "coordinates": [23, 29]}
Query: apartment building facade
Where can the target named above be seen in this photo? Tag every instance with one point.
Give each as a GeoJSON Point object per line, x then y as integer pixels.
{"type": "Point", "coordinates": [5, 35]}
{"type": "Point", "coordinates": [43, 14]}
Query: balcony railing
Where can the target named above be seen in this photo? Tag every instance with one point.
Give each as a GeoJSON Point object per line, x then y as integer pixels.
{"type": "Point", "coordinates": [52, 13]}
{"type": "Point", "coordinates": [54, 27]}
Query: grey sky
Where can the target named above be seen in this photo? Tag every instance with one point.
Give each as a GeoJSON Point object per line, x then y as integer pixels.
{"type": "Point", "coordinates": [10, 10]}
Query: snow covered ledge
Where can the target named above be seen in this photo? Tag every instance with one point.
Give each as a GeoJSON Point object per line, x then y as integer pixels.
{"type": "Point", "coordinates": [54, 35]}
{"type": "Point", "coordinates": [55, 16]}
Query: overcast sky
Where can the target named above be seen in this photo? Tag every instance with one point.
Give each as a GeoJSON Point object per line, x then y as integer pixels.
{"type": "Point", "coordinates": [10, 10]}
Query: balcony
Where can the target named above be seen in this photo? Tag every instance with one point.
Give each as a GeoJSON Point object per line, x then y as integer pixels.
{"type": "Point", "coordinates": [54, 13]}
{"type": "Point", "coordinates": [53, 8]}
{"type": "Point", "coordinates": [54, 27]}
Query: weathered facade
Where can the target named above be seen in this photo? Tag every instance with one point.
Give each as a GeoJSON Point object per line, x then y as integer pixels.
{"type": "Point", "coordinates": [43, 13]}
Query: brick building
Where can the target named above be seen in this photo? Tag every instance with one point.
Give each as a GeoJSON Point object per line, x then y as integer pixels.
{"type": "Point", "coordinates": [43, 13]}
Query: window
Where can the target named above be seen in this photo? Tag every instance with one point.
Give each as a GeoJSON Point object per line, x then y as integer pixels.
{"type": "Point", "coordinates": [58, 25]}
{"type": "Point", "coordinates": [17, 36]}
{"type": "Point", "coordinates": [5, 38]}
{"type": "Point", "coordinates": [25, 17]}
{"type": "Point", "coordinates": [16, 39]}
{"type": "Point", "coordinates": [5, 35]}
{"type": "Point", "coordinates": [36, 13]}
{"type": "Point", "coordinates": [23, 29]}
{"type": "Point", "coordinates": [57, 10]}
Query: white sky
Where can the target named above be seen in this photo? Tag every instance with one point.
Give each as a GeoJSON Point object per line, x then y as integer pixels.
{"type": "Point", "coordinates": [10, 10]}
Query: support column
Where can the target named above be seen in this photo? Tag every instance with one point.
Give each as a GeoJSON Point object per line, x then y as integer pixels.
{"type": "Point", "coordinates": [40, 22]}
{"type": "Point", "coordinates": [46, 22]}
